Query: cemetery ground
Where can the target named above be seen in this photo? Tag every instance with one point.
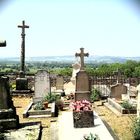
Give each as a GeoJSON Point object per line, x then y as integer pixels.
{"type": "Point", "coordinates": [120, 125]}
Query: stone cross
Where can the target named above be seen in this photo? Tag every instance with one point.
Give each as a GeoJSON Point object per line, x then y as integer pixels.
{"type": "Point", "coordinates": [81, 55]}
{"type": "Point", "coordinates": [22, 63]}
{"type": "Point", "coordinates": [118, 74]}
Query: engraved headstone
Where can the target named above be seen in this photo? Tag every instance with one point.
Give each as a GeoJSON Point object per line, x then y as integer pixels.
{"type": "Point", "coordinates": [42, 85]}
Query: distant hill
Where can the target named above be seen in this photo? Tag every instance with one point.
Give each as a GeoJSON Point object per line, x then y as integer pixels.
{"type": "Point", "coordinates": [72, 59]}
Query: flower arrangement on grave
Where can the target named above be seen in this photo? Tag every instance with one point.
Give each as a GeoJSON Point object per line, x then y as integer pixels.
{"type": "Point", "coordinates": [82, 114]}
{"type": "Point", "coordinates": [82, 105]}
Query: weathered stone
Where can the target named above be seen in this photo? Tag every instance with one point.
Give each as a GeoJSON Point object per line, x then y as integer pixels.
{"type": "Point", "coordinates": [8, 117]}
{"type": "Point", "coordinates": [83, 88]}
{"type": "Point", "coordinates": [21, 84]}
{"type": "Point", "coordinates": [59, 83]}
{"type": "Point", "coordinates": [117, 91]}
{"type": "Point", "coordinates": [83, 119]}
{"type": "Point", "coordinates": [42, 85]}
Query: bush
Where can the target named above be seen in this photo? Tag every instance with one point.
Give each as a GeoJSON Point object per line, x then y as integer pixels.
{"type": "Point", "coordinates": [51, 98]}
{"type": "Point", "coordinates": [127, 105]}
{"type": "Point", "coordinates": [136, 129]}
{"type": "Point", "coordinates": [38, 106]}
{"type": "Point", "coordinates": [95, 95]}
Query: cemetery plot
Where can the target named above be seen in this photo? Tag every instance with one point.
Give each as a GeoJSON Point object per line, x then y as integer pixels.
{"type": "Point", "coordinates": [39, 110]}
{"type": "Point", "coordinates": [123, 107]}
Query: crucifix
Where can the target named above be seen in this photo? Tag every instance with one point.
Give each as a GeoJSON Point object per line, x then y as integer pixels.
{"type": "Point", "coordinates": [82, 55]}
{"type": "Point", "coordinates": [22, 63]}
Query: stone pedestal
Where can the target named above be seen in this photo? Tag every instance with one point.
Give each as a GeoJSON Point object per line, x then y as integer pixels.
{"type": "Point", "coordinates": [21, 84]}
{"type": "Point", "coordinates": [82, 95]}
{"type": "Point", "coordinates": [8, 119]}
{"type": "Point", "coordinates": [83, 119]}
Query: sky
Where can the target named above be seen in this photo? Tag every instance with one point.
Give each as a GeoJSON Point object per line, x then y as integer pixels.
{"type": "Point", "coordinates": [62, 27]}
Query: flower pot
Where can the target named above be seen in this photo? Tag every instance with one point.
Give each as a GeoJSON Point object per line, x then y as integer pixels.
{"type": "Point", "coordinates": [45, 104]}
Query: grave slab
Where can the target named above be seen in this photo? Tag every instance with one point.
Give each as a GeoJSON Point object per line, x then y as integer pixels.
{"type": "Point", "coordinates": [67, 130]}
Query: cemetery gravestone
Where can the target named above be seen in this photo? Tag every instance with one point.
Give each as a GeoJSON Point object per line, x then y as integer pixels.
{"type": "Point", "coordinates": [83, 86]}
{"type": "Point", "coordinates": [8, 117]}
{"type": "Point", "coordinates": [117, 91]}
{"type": "Point", "coordinates": [42, 85]}
{"type": "Point", "coordinates": [59, 83]}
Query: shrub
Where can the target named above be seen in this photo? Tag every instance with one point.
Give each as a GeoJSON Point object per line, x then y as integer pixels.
{"type": "Point", "coordinates": [127, 105]}
{"type": "Point", "coordinates": [51, 98]}
{"type": "Point", "coordinates": [95, 95]}
{"type": "Point", "coordinates": [38, 106]}
{"type": "Point", "coordinates": [136, 129]}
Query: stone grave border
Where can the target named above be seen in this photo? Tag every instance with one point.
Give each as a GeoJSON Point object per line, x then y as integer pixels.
{"type": "Point", "coordinates": [40, 113]}
{"type": "Point", "coordinates": [111, 104]}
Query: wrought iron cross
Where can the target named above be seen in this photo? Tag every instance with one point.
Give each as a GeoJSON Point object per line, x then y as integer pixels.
{"type": "Point", "coordinates": [82, 55]}
{"type": "Point", "coordinates": [22, 63]}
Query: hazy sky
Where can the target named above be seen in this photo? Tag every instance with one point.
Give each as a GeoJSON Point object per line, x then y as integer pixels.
{"type": "Point", "coordinates": [61, 27]}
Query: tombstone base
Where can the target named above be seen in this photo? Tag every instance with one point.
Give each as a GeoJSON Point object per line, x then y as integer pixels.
{"type": "Point", "coordinates": [83, 119]}
{"type": "Point", "coordinates": [21, 84]}
{"type": "Point", "coordinates": [82, 95]}
{"type": "Point", "coordinates": [17, 92]}
{"type": "Point", "coordinates": [8, 119]}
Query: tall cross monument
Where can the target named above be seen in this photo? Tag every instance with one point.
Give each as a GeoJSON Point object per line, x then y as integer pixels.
{"type": "Point", "coordinates": [22, 63]}
{"type": "Point", "coordinates": [82, 55]}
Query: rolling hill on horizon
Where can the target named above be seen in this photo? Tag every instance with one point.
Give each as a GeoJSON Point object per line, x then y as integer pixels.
{"type": "Point", "coordinates": [72, 59]}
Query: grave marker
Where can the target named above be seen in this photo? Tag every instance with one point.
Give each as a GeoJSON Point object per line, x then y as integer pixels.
{"type": "Point", "coordinates": [82, 55]}
{"type": "Point", "coordinates": [59, 83]}
{"type": "Point", "coordinates": [22, 63]}
{"type": "Point", "coordinates": [22, 81]}
{"type": "Point", "coordinates": [8, 117]}
{"type": "Point", "coordinates": [42, 85]}
{"type": "Point", "coordinates": [83, 86]}
{"type": "Point", "coordinates": [118, 90]}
